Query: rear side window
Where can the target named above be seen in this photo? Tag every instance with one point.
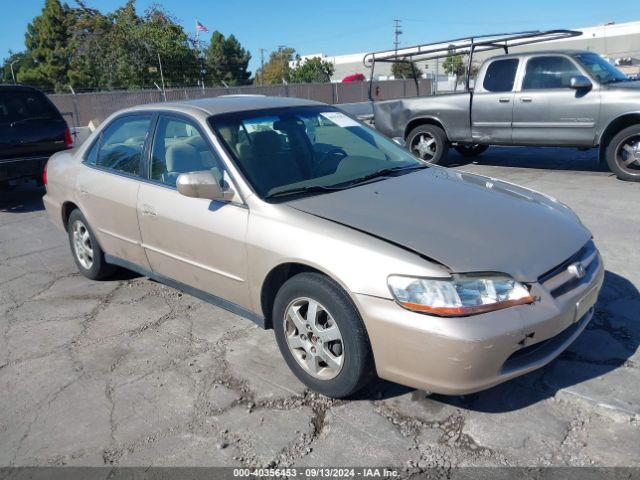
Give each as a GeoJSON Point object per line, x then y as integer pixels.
{"type": "Point", "coordinates": [121, 144]}
{"type": "Point", "coordinates": [23, 106]}
{"type": "Point", "coordinates": [500, 75]}
{"type": "Point", "coordinates": [549, 72]}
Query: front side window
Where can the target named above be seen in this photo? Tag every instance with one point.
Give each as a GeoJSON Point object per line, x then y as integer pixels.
{"type": "Point", "coordinates": [500, 75]}
{"type": "Point", "coordinates": [121, 144]}
{"type": "Point", "coordinates": [297, 148]}
{"type": "Point", "coordinates": [179, 148]}
{"type": "Point", "coordinates": [602, 70]}
{"type": "Point", "coordinates": [549, 72]}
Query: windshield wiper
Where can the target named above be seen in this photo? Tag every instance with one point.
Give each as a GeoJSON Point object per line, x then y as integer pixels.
{"type": "Point", "coordinates": [307, 189]}
{"type": "Point", "coordinates": [30, 119]}
{"type": "Point", "coordinates": [385, 172]}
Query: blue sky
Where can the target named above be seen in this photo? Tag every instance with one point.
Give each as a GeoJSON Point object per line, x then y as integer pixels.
{"type": "Point", "coordinates": [335, 27]}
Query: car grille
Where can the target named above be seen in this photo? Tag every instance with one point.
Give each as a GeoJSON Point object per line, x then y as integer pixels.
{"type": "Point", "coordinates": [559, 280]}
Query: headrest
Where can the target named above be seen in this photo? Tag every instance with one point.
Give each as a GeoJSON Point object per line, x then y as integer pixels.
{"type": "Point", "coordinates": [183, 158]}
{"type": "Point", "coordinates": [266, 142]}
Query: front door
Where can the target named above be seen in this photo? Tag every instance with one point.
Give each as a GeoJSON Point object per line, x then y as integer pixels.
{"type": "Point", "coordinates": [492, 104]}
{"type": "Point", "coordinates": [198, 242]}
{"type": "Point", "coordinates": [108, 187]}
{"type": "Point", "coordinates": [547, 111]}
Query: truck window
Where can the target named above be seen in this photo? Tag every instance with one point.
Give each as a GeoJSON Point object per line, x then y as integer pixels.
{"type": "Point", "coordinates": [549, 72]}
{"type": "Point", "coordinates": [500, 75]}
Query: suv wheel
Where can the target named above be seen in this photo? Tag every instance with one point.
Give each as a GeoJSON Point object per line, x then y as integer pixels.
{"type": "Point", "coordinates": [87, 254]}
{"type": "Point", "coordinates": [321, 336]}
{"type": "Point", "coordinates": [429, 143]}
{"type": "Point", "coordinates": [623, 154]}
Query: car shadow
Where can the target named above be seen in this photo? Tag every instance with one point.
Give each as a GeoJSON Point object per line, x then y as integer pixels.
{"type": "Point", "coordinates": [21, 199]}
{"type": "Point", "coordinates": [610, 339]}
{"type": "Point", "coordinates": [535, 158]}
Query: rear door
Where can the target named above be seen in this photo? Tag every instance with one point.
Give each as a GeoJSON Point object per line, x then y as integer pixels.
{"type": "Point", "coordinates": [108, 186]}
{"type": "Point", "coordinates": [492, 107]}
{"type": "Point", "coordinates": [547, 111]}
{"type": "Point", "coordinates": [195, 241]}
{"type": "Point", "coordinates": [30, 125]}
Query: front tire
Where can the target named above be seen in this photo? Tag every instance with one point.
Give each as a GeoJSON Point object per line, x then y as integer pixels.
{"type": "Point", "coordinates": [86, 251]}
{"type": "Point", "coordinates": [623, 154]}
{"type": "Point", "coordinates": [321, 336]}
{"type": "Point", "coordinates": [429, 143]}
{"type": "Point", "coordinates": [471, 150]}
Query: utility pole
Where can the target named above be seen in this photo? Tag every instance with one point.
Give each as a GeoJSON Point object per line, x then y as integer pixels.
{"type": "Point", "coordinates": [396, 34]}
{"type": "Point", "coordinates": [164, 92]}
{"type": "Point", "coordinates": [261, 65]}
{"type": "Point", "coordinates": [281, 51]}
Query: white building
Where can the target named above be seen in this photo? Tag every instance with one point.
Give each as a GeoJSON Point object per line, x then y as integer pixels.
{"type": "Point", "coordinates": [613, 41]}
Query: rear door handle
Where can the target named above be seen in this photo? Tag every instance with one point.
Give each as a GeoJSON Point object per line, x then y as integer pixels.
{"type": "Point", "coordinates": [504, 100]}
{"type": "Point", "coordinates": [148, 210]}
{"type": "Point", "coordinates": [526, 99]}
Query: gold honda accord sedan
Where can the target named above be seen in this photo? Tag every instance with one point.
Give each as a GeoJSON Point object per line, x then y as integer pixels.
{"type": "Point", "coordinates": [363, 259]}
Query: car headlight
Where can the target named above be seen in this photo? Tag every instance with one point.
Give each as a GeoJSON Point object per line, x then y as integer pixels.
{"type": "Point", "coordinates": [460, 295]}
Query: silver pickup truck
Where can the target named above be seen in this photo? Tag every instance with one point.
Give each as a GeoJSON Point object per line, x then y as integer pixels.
{"type": "Point", "coordinates": [542, 98]}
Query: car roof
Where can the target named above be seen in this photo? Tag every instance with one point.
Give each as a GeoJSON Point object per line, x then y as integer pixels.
{"type": "Point", "coordinates": [14, 87]}
{"type": "Point", "coordinates": [226, 104]}
{"type": "Point", "coordinates": [541, 52]}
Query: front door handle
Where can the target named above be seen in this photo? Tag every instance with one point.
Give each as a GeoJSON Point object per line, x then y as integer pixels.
{"type": "Point", "coordinates": [148, 210]}
{"type": "Point", "coordinates": [526, 99]}
{"type": "Point", "coordinates": [504, 100]}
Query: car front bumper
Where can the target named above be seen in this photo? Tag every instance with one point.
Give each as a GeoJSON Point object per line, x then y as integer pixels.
{"type": "Point", "coordinates": [456, 356]}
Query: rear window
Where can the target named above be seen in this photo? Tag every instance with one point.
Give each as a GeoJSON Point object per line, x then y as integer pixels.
{"type": "Point", "coordinates": [18, 106]}
{"type": "Point", "coordinates": [500, 75]}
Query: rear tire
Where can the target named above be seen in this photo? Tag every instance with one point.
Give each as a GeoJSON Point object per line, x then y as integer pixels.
{"type": "Point", "coordinates": [471, 150]}
{"type": "Point", "coordinates": [336, 368]}
{"type": "Point", "coordinates": [623, 154]}
{"type": "Point", "coordinates": [429, 143]}
{"type": "Point", "coordinates": [85, 249]}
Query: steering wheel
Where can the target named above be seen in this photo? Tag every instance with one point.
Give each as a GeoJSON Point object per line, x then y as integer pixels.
{"type": "Point", "coordinates": [329, 161]}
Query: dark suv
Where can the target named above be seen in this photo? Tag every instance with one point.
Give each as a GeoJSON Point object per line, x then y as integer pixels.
{"type": "Point", "coordinates": [31, 130]}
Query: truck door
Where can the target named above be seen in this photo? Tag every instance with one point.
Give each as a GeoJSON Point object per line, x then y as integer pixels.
{"type": "Point", "coordinates": [547, 111]}
{"type": "Point", "coordinates": [492, 104]}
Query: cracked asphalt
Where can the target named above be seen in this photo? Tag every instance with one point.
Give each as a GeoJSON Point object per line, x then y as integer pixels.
{"type": "Point", "coordinates": [131, 372]}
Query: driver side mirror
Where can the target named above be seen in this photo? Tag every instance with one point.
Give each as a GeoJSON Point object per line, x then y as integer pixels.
{"type": "Point", "coordinates": [202, 185]}
{"type": "Point", "coordinates": [580, 82]}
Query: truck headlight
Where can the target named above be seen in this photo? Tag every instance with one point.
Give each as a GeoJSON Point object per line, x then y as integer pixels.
{"type": "Point", "coordinates": [460, 295]}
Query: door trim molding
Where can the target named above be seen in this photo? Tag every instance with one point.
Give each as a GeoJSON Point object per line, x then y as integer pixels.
{"type": "Point", "coordinates": [195, 292]}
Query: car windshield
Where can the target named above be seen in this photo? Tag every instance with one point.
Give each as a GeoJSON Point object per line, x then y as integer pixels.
{"type": "Point", "coordinates": [602, 70]}
{"type": "Point", "coordinates": [297, 150]}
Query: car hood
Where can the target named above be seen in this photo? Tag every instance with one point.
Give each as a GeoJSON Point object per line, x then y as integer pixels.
{"type": "Point", "coordinates": [466, 222]}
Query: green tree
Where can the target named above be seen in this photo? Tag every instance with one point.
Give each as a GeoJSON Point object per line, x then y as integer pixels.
{"type": "Point", "coordinates": [277, 69]}
{"type": "Point", "coordinates": [20, 60]}
{"type": "Point", "coordinates": [226, 61]}
{"type": "Point", "coordinates": [453, 65]}
{"type": "Point", "coordinates": [312, 70]}
{"type": "Point", "coordinates": [404, 70]}
{"type": "Point", "coordinates": [48, 43]}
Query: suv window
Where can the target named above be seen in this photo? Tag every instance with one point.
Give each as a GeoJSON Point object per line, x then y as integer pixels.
{"type": "Point", "coordinates": [500, 75]}
{"type": "Point", "coordinates": [549, 72]}
{"type": "Point", "coordinates": [121, 144]}
{"type": "Point", "coordinates": [179, 148]}
{"type": "Point", "coordinates": [21, 106]}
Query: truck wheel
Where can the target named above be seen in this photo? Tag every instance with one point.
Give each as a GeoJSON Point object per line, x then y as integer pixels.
{"type": "Point", "coordinates": [470, 149]}
{"type": "Point", "coordinates": [321, 336]}
{"type": "Point", "coordinates": [87, 254]}
{"type": "Point", "coordinates": [623, 154]}
{"type": "Point", "coordinates": [429, 143]}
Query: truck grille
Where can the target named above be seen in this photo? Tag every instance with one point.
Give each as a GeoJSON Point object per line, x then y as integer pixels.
{"type": "Point", "coordinates": [560, 280]}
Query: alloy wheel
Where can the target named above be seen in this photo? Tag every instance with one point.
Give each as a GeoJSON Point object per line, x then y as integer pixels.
{"type": "Point", "coordinates": [314, 338]}
{"type": "Point", "coordinates": [628, 154]}
{"type": "Point", "coordinates": [424, 146]}
{"type": "Point", "coordinates": [82, 244]}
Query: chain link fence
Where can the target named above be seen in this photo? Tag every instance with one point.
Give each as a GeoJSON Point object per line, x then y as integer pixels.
{"type": "Point", "coordinates": [81, 108]}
